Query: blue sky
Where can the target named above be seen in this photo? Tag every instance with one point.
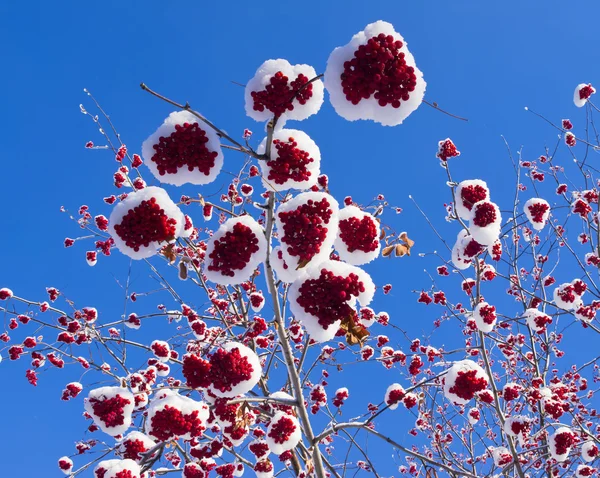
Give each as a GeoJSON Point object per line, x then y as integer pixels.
{"type": "Point", "coordinates": [481, 60]}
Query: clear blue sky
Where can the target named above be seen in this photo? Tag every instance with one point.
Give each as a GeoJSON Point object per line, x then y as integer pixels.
{"type": "Point", "coordinates": [482, 60]}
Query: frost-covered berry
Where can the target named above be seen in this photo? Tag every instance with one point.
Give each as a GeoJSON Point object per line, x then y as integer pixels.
{"type": "Point", "coordinates": [264, 469]}
{"type": "Point", "coordinates": [235, 251]}
{"type": "Point", "coordinates": [145, 221]}
{"type": "Point", "coordinates": [568, 295]}
{"type": "Point", "coordinates": [560, 443]}
{"type": "Point", "coordinates": [518, 426]}
{"type": "Point", "coordinates": [465, 250]}
{"type": "Point", "coordinates": [65, 464]}
{"type": "Point", "coordinates": [463, 381]}
{"type": "Point", "coordinates": [446, 150]}
{"type": "Point", "coordinates": [283, 433]}
{"type": "Point", "coordinates": [294, 161]}
{"type": "Point", "coordinates": [537, 320]}
{"type": "Point", "coordinates": [357, 242]}
{"type": "Point", "coordinates": [134, 445]}
{"type": "Point", "coordinates": [183, 150]}
{"type": "Point", "coordinates": [110, 408]}
{"type": "Point", "coordinates": [485, 317]}
{"type": "Point", "coordinates": [582, 94]}
{"type": "Point", "coordinates": [468, 193]}
{"type": "Point", "coordinates": [374, 77]}
{"type": "Point", "coordinates": [501, 456]}
{"type": "Point", "coordinates": [485, 222]}
{"type": "Point", "coordinates": [172, 416]}
{"type": "Point", "coordinates": [5, 293]}
{"type": "Point", "coordinates": [589, 451]}
{"type": "Point", "coordinates": [537, 211]}
{"type": "Point", "coordinates": [117, 469]}
{"type": "Point", "coordinates": [161, 350]}
{"type": "Point", "coordinates": [325, 296]}
{"type": "Point", "coordinates": [283, 90]}
{"type": "Point", "coordinates": [307, 227]}
{"type": "Point", "coordinates": [394, 396]}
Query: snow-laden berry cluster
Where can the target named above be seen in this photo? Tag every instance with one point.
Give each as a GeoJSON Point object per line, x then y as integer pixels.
{"type": "Point", "coordinates": [117, 469]}
{"type": "Point", "coordinates": [294, 161]}
{"type": "Point", "coordinates": [283, 90]}
{"type": "Point", "coordinates": [145, 221]}
{"type": "Point", "coordinates": [231, 370]}
{"type": "Point", "coordinates": [569, 295]}
{"type": "Point", "coordinates": [173, 416]}
{"type": "Point", "coordinates": [358, 239]}
{"type": "Point", "coordinates": [326, 295]}
{"type": "Point", "coordinates": [283, 433]}
{"type": "Point", "coordinates": [183, 150]}
{"type": "Point", "coordinates": [463, 381]}
{"type": "Point", "coordinates": [537, 211]}
{"type": "Point", "coordinates": [582, 94]}
{"type": "Point", "coordinates": [307, 226]}
{"type": "Point", "coordinates": [111, 409]}
{"type": "Point", "coordinates": [374, 77]}
{"type": "Point", "coordinates": [485, 317]}
{"type": "Point", "coordinates": [235, 251]}
{"type": "Point", "coordinates": [468, 193]}
{"type": "Point", "coordinates": [465, 250]}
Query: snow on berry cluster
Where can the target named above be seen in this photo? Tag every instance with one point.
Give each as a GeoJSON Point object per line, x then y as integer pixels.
{"type": "Point", "coordinates": [326, 295]}
{"type": "Point", "coordinates": [111, 409]}
{"type": "Point", "coordinates": [464, 381]}
{"type": "Point", "coordinates": [231, 370]}
{"type": "Point", "coordinates": [145, 221]}
{"type": "Point", "coordinates": [117, 469]}
{"type": "Point", "coordinates": [235, 251]}
{"type": "Point", "coordinates": [173, 416]}
{"type": "Point", "coordinates": [283, 90]}
{"type": "Point", "coordinates": [183, 150]}
{"type": "Point", "coordinates": [537, 211]}
{"type": "Point", "coordinates": [374, 77]}
{"type": "Point", "coordinates": [294, 161]}
{"type": "Point", "coordinates": [358, 239]}
{"type": "Point", "coordinates": [307, 226]}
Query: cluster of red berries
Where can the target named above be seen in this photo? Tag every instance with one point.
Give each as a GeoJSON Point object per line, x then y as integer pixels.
{"type": "Point", "coordinates": [291, 163]}
{"type": "Point", "coordinates": [467, 384]}
{"type": "Point", "coordinates": [472, 194]}
{"type": "Point", "coordinates": [282, 429]}
{"type": "Point", "coordinates": [146, 223]}
{"type": "Point", "coordinates": [327, 297]}
{"type": "Point", "coordinates": [233, 251]}
{"type": "Point", "coordinates": [537, 211]}
{"type": "Point", "coordinates": [279, 94]}
{"type": "Point", "coordinates": [359, 234]}
{"type": "Point", "coordinates": [304, 228]}
{"type": "Point", "coordinates": [110, 411]}
{"type": "Point", "coordinates": [184, 147]}
{"type": "Point", "coordinates": [485, 215]}
{"type": "Point", "coordinates": [170, 422]}
{"type": "Point", "coordinates": [379, 69]}
{"type": "Point", "coordinates": [488, 314]}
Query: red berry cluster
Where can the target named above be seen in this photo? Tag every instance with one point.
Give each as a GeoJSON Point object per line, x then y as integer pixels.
{"type": "Point", "coordinates": [170, 422]}
{"type": "Point", "coordinates": [110, 411]}
{"type": "Point", "coordinates": [537, 211]}
{"type": "Point", "coordinates": [472, 194]}
{"type": "Point", "coordinates": [224, 370]}
{"type": "Point", "coordinates": [359, 234]}
{"type": "Point", "coordinates": [279, 94]}
{"type": "Point", "coordinates": [485, 214]}
{"type": "Point", "coordinates": [283, 428]}
{"type": "Point", "coordinates": [473, 248]}
{"type": "Point", "coordinates": [395, 396]}
{"type": "Point", "coordinates": [304, 228]}
{"type": "Point", "coordinates": [586, 92]}
{"type": "Point", "coordinates": [291, 162]}
{"type": "Point", "coordinates": [326, 297]}
{"type": "Point", "coordinates": [447, 150]}
{"type": "Point", "coordinates": [467, 384]}
{"type": "Point", "coordinates": [132, 448]}
{"type": "Point", "coordinates": [144, 224]}
{"type": "Point", "coordinates": [184, 147]}
{"type": "Point", "coordinates": [379, 69]}
{"type": "Point", "coordinates": [563, 442]}
{"type": "Point", "coordinates": [233, 251]}
{"type": "Point", "coordinates": [488, 314]}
